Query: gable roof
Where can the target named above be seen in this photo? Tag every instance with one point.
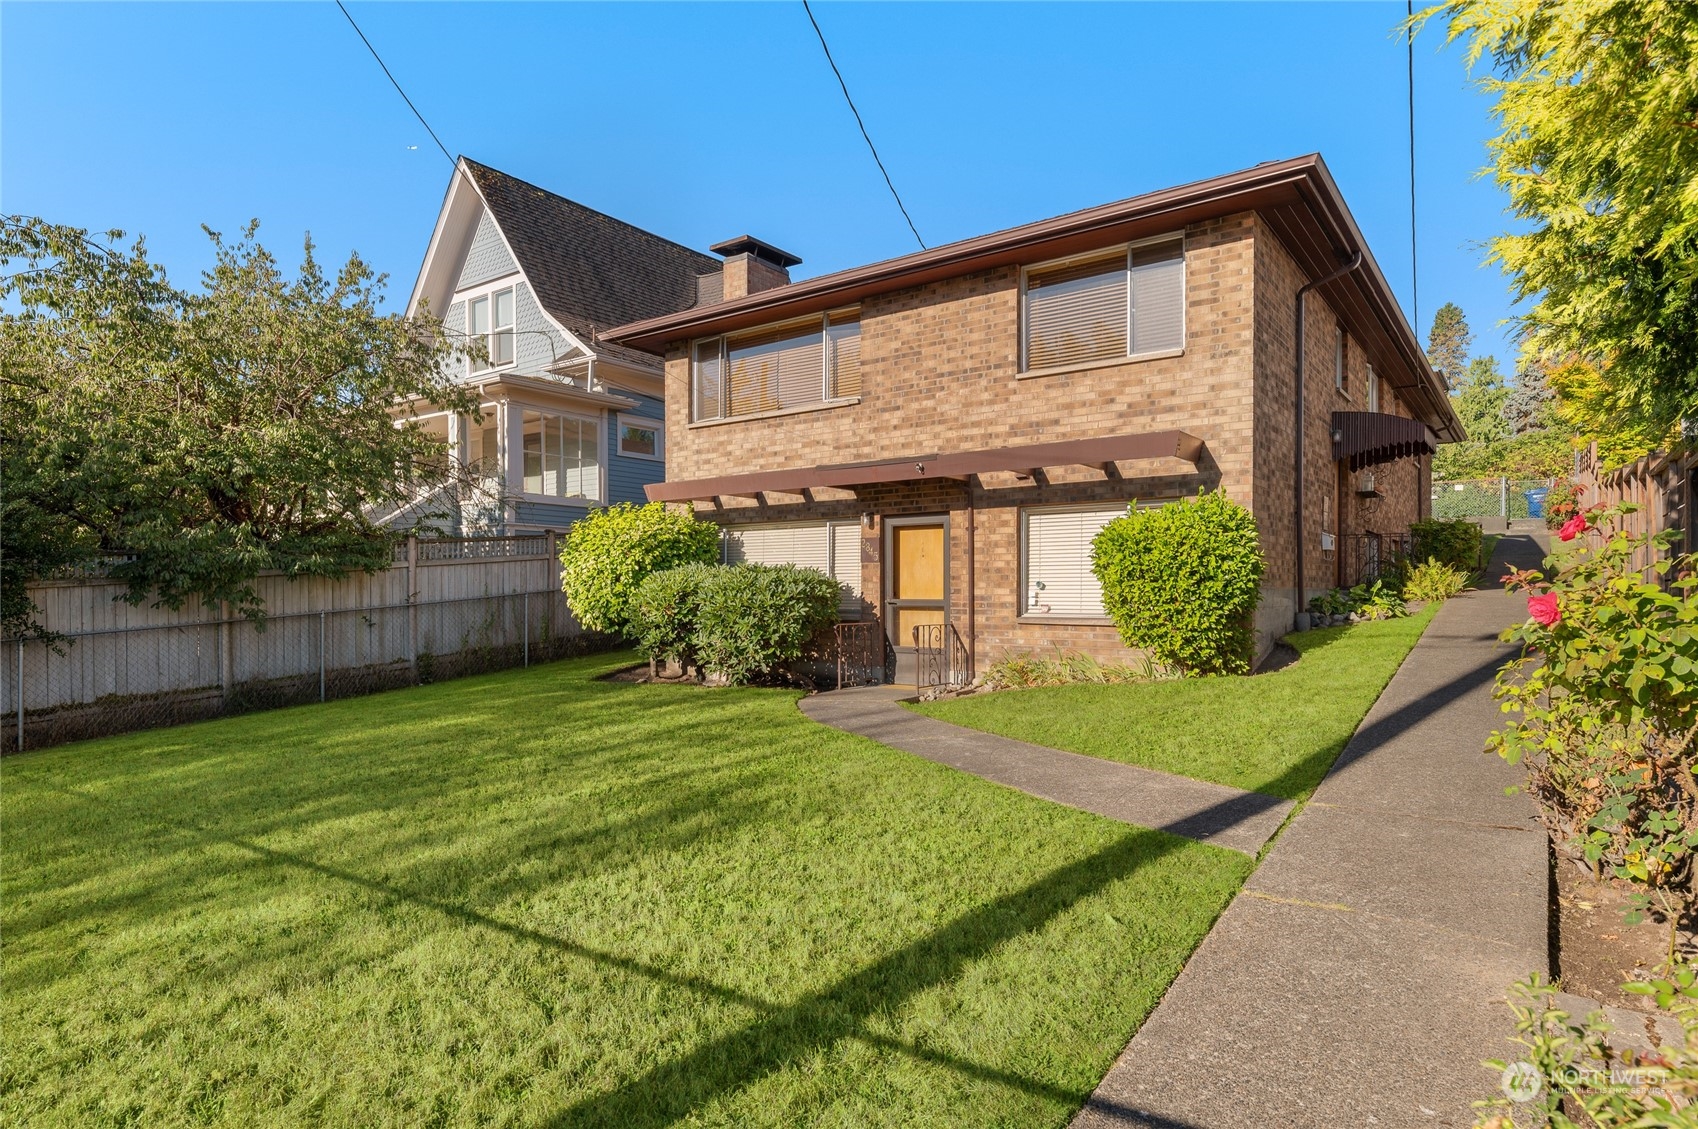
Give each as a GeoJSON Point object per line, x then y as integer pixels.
{"type": "Point", "coordinates": [588, 270]}
{"type": "Point", "coordinates": [1298, 198]}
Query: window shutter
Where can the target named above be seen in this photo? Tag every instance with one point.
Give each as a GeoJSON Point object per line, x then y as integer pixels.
{"type": "Point", "coordinates": [844, 338]}
{"type": "Point", "coordinates": [1076, 313]}
{"type": "Point", "coordinates": [1058, 555]}
{"type": "Point", "coordinates": [1158, 298]}
{"type": "Point", "coordinates": [706, 385]}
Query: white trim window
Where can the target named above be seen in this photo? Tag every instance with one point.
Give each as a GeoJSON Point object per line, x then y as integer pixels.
{"type": "Point", "coordinates": [1373, 390]}
{"type": "Point", "coordinates": [641, 438]}
{"type": "Point", "coordinates": [1341, 360]}
{"type": "Point", "coordinates": [561, 455]}
{"type": "Point", "coordinates": [831, 547]}
{"type": "Point", "coordinates": [491, 317]}
{"type": "Point", "coordinates": [1110, 306]}
{"type": "Point", "coordinates": [797, 364]}
{"type": "Point", "coordinates": [1056, 581]}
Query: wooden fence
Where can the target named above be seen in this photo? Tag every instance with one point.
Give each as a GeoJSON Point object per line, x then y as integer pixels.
{"type": "Point", "coordinates": [1661, 485]}
{"type": "Point", "coordinates": [442, 609]}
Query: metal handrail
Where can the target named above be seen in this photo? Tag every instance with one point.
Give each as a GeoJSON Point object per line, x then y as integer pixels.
{"type": "Point", "coordinates": [940, 658]}
{"type": "Point", "coordinates": [860, 653]}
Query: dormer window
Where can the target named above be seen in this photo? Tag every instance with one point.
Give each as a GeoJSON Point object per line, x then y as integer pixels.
{"type": "Point", "coordinates": [490, 317]}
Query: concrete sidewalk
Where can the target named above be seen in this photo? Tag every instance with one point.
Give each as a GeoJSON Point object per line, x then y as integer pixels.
{"type": "Point", "coordinates": [1212, 813]}
{"type": "Point", "coordinates": [1359, 978]}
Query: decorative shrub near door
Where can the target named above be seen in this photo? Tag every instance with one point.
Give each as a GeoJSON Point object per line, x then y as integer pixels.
{"type": "Point", "coordinates": [1182, 582]}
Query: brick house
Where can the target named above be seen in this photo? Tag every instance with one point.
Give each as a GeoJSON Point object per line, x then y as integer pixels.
{"type": "Point", "coordinates": [946, 431]}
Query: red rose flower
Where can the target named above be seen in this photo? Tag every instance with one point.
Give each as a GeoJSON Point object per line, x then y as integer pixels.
{"type": "Point", "coordinates": [1544, 608]}
{"type": "Point", "coordinates": [1573, 527]}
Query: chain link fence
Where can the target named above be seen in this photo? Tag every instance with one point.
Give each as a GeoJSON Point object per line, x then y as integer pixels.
{"type": "Point", "coordinates": [1506, 498]}
{"type": "Point", "coordinates": [96, 683]}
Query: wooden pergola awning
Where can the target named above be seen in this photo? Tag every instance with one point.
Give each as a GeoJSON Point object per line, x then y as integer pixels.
{"type": "Point", "coordinates": [1369, 438]}
{"type": "Point", "coordinates": [958, 465]}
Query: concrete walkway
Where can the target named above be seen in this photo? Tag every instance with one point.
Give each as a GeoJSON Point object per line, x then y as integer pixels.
{"type": "Point", "coordinates": [1212, 813]}
{"type": "Point", "coordinates": [1359, 978]}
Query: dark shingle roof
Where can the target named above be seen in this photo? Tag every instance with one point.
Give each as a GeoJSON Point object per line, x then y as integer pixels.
{"type": "Point", "coordinates": [590, 271]}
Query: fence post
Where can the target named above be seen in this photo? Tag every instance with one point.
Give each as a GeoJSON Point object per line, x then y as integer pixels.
{"type": "Point", "coordinates": [413, 604]}
{"type": "Point", "coordinates": [527, 619]}
{"type": "Point", "coordinates": [1503, 497]}
{"type": "Point", "coordinates": [20, 747]}
{"type": "Point", "coordinates": [226, 657]}
{"type": "Point", "coordinates": [321, 656]}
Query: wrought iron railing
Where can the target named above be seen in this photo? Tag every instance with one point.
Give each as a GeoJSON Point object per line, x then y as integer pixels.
{"type": "Point", "coordinates": [940, 658]}
{"type": "Point", "coordinates": [860, 653]}
{"type": "Point", "coordinates": [1366, 555]}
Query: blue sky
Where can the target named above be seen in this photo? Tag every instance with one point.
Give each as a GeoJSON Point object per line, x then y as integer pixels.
{"type": "Point", "coordinates": [704, 121]}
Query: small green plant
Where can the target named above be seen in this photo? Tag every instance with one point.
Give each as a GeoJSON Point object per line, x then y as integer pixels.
{"type": "Point", "coordinates": [1572, 1077]}
{"type": "Point", "coordinates": [1182, 582]}
{"type": "Point", "coordinates": [1023, 670]}
{"type": "Point", "coordinates": [1455, 543]}
{"type": "Point", "coordinates": [1378, 599]}
{"type": "Point", "coordinates": [1434, 580]}
{"type": "Point", "coordinates": [609, 553]}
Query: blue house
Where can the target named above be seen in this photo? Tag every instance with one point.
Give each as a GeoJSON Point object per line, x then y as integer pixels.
{"type": "Point", "coordinates": [568, 422]}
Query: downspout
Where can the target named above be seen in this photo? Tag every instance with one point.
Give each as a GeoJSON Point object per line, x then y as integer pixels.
{"type": "Point", "coordinates": [1297, 488]}
{"type": "Point", "coordinates": [972, 600]}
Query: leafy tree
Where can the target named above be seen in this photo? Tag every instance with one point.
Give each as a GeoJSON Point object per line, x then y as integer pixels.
{"type": "Point", "coordinates": [1480, 400]}
{"type": "Point", "coordinates": [1598, 151]}
{"type": "Point", "coordinates": [1585, 406]}
{"type": "Point", "coordinates": [1448, 342]}
{"type": "Point", "coordinates": [1528, 405]}
{"type": "Point", "coordinates": [200, 438]}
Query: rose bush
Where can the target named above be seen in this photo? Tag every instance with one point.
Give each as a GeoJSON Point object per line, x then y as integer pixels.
{"type": "Point", "coordinates": [1604, 704]}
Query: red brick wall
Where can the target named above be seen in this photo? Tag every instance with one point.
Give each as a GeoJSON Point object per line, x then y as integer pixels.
{"type": "Point", "coordinates": [940, 373]}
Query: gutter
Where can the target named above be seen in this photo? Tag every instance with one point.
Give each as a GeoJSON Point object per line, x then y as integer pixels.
{"type": "Point", "coordinates": [1297, 463]}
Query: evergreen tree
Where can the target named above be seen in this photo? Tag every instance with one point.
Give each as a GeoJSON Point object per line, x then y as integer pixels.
{"type": "Point", "coordinates": [1448, 342]}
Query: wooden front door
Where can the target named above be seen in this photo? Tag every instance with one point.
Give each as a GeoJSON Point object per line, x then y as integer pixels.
{"type": "Point", "coordinates": [918, 584]}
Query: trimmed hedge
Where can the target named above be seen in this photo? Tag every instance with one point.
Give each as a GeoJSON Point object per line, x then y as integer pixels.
{"type": "Point", "coordinates": [611, 551]}
{"type": "Point", "coordinates": [743, 622]}
{"type": "Point", "coordinates": [1182, 582]}
{"type": "Point", "coordinates": [1454, 543]}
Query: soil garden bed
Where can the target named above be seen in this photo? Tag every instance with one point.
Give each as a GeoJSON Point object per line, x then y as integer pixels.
{"type": "Point", "coordinates": [1593, 950]}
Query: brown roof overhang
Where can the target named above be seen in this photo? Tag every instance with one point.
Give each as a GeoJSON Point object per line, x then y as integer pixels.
{"type": "Point", "coordinates": [914, 468]}
{"type": "Point", "coordinates": [1369, 438]}
{"type": "Point", "coordinates": [1298, 197]}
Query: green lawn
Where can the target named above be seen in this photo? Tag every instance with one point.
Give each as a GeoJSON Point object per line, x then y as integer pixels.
{"type": "Point", "coordinates": [1276, 733]}
{"type": "Point", "coordinates": [537, 899]}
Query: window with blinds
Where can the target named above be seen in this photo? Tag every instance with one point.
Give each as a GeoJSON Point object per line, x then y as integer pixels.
{"type": "Point", "coordinates": [831, 547]}
{"type": "Point", "coordinates": [1056, 559]}
{"type": "Point", "coordinates": [779, 367]}
{"type": "Point", "coordinates": [1123, 304]}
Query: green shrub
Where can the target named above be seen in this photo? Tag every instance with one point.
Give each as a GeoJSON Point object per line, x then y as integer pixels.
{"type": "Point", "coordinates": [1603, 704]}
{"type": "Point", "coordinates": [609, 553]}
{"type": "Point", "coordinates": [753, 619]}
{"type": "Point", "coordinates": [1380, 599]}
{"type": "Point", "coordinates": [1182, 582]}
{"type": "Point", "coordinates": [666, 609]}
{"type": "Point", "coordinates": [1455, 543]}
{"type": "Point", "coordinates": [1434, 580]}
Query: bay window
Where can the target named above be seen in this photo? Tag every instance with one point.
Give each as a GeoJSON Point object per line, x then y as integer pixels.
{"type": "Point", "coordinates": [1100, 308]}
{"type": "Point", "coordinates": [812, 361]}
{"type": "Point", "coordinates": [561, 455]}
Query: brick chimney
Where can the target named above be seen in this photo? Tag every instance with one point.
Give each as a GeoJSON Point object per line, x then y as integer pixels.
{"type": "Point", "coordinates": [752, 266]}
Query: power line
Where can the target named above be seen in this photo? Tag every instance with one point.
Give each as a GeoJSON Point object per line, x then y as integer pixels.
{"type": "Point", "coordinates": [858, 122]}
{"type": "Point", "coordinates": [397, 85]}
{"type": "Point", "coordinates": [1414, 274]}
